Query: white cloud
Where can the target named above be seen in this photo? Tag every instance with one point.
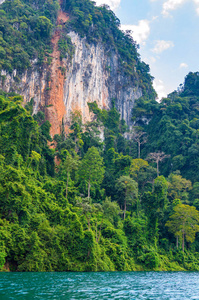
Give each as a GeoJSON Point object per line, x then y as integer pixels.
{"type": "Point", "coordinates": [114, 4]}
{"type": "Point", "coordinates": [159, 88]}
{"type": "Point", "coordinates": [183, 65]}
{"type": "Point", "coordinates": [171, 5]}
{"type": "Point", "coordinates": [140, 32]}
{"type": "Point", "coordinates": [162, 45]}
{"type": "Point", "coordinates": [197, 5]}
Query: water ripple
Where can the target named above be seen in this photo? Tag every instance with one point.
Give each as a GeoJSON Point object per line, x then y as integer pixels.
{"type": "Point", "coordinates": [110, 285]}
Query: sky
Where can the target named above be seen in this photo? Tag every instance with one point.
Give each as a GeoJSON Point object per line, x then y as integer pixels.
{"type": "Point", "coordinates": [167, 32]}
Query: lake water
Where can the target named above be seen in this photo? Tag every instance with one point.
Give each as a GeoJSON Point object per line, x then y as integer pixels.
{"type": "Point", "coordinates": [110, 285]}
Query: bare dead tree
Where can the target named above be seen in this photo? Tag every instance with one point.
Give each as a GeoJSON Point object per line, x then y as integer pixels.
{"type": "Point", "coordinates": [157, 157]}
{"type": "Point", "coordinates": [141, 138]}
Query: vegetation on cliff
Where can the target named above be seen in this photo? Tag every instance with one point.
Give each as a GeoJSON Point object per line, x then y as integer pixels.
{"type": "Point", "coordinates": [25, 32]}
{"type": "Point", "coordinates": [100, 24]}
{"type": "Point", "coordinates": [101, 207]}
{"type": "Point", "coordinates": [26, 29]}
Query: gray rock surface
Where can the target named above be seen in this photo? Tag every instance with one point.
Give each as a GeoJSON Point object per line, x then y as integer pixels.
{"type": "Point", "coordinates": [91, 75]}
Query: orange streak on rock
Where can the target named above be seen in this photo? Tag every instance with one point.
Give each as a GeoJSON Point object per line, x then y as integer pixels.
{"type": "Point", "coordinates": [55, 109]}
{"type": "Point", "coordinates": [62, 17]}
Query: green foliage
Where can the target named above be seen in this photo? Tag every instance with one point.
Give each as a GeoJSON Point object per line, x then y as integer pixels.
{"type": "Point", "coordinates": [127, 191]}
{"type": "Point", "coordinates": [111, 211]}
{"type": "Point", "coordinates": [178, 187]}
{"type": "Point", "coordinates": [191, 84]}
{"type": "Point", "coordinates": [2, 256]}
{"type": "Point", "coordinates": [25, 32]}
{"type": "Point", "coordinates": [154, 204]}
{"type": "Point", "coordinates": [24, 135]}
{"type": "Point", "coordinates": [172, 127]}
{"type": "Point", "coordinates": [184, 222]}
{"type": "Point", "coordinates": [91, 170]}
{"type": "Point", "coordinates": [150, 259]}
{"type": "Point", "coordinates": [65, 46]}
{"type": "Point", "coordinates": [99, 208]}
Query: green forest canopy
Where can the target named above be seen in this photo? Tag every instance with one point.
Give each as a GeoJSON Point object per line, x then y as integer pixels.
{"type": "Point", "coordinates": [53, 218]}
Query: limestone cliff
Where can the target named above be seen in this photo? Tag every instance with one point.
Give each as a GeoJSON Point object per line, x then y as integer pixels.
{"type": "Point", "coordinates": [93, 76]}
{"type": "Point", "coordinates": [68, 85]}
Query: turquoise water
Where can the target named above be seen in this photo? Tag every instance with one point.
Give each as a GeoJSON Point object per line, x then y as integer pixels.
{"type": "Point", "coordinates": [116, 285]}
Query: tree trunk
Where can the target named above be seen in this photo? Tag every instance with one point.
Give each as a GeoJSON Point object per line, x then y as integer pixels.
{"type": "Point", "coordinates": [157, 168]}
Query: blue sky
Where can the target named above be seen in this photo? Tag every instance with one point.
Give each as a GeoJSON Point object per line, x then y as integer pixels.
{"type": "Point", "coordinates": [168, 34]}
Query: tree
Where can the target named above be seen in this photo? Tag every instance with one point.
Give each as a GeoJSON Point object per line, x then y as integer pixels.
{"type": "Point", "coordinates": [76, 128]}
{"type": "Point", "coordinates": [87, 209]}
{"type": "Point", "coordinates": [195, 191]}
{"type": "Point", "coordinates": [35, 157]}
{"type": "Point", "coordinates": [70, 163]}
{"type": "Point", "coordinates": [141, 138]}
{"type": "Point", "coordinates": [111, 210]}
{"type": "Point", "coordinates": [184, 223]}
{"type": "Point", "coordinates": [128, 191]}
{"type": "Point", "coordinates": [154, 204]}
{"type": "Point", "coordinates": [137, 165]}
{"type": "Point", "coordinates": [92, 168]}
{"type": "Point", "coordinates": [91, 136]}
{"type": "Point", "coordinates": [43, 27]}
{"type": "Point", "coordinates": [90, 210]}
{"type": "Point", "coordinates": [99, 216]}
{"type": "Point", "coordinates": [157, 157]}
{"type": "Point", "coordinates": [178, 187]}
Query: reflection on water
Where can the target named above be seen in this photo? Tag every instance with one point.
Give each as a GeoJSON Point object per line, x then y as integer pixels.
{"type": "Point", "coordinates": [110, 285]}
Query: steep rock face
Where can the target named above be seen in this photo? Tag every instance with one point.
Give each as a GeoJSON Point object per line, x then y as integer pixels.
{"type": "Point", "coordinates": [91, 75]}
{"type": "Point", "coordinates": [94, 76]}
{"type": "Point", "coordinates": [31, 84]}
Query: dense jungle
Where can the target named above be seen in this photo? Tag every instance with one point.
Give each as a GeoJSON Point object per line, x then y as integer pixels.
{"type": "Point", "coordinates": [76, 201]}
